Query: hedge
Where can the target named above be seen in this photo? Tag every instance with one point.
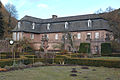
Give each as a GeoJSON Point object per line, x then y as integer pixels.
{"type": "Point", "coordinates": [106, 49]}
{"type": "Point", "coordinates": [9, 62]}
{"type": "Point", "coordinates": [94, 62]}
{"type": "Point", "coordinates": [69, 61]}
{"type": "Point", "coordinates": [84, 48]}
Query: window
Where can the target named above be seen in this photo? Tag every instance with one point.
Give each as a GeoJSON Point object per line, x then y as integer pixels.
{"type": "Point", "coordinates": [56, 36]}
{"type": "Point", "coordinates": [47, 35]}
{"type": "Point", "coordinates": [48, 26]}
{"type": "Point", "coordinates": [21, 35]}
{"type": "Point", "coordinates": [66, 25]}
{"type": "Point", "coordinates": [107, 36]}
{"type": "Point", "coordinates": [32, 36]}
{"type": "Point", "coordinates": [18, 36]}
{"type": "Point", "coordinates": [89, 23]}
{"type": "Point", "coordinates": [88, 36]}
{"type": "Point", "coordinates": [19, 24]}
{"type": "Point", "coordinates": [78, 35]}
{"type": "Point", "coordinates": [14, 36]}
{"type": "Point", "coordinates": [96, 35]}
{"type": "Point", "coordinates": [33, 25]}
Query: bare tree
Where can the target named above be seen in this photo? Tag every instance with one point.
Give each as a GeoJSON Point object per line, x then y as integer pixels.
{"type": "Point", "coordinates": [12, 12]}
{"type": "Point", "coordinates": [107, 10]}
{"type": "Point", "coordinates": [99, 11]}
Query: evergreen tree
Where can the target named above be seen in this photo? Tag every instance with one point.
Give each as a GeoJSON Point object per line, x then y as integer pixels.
{"type": "Point", "coordinates": [1, 23]}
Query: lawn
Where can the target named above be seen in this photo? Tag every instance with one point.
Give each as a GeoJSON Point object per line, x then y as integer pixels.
{"type": "Point", "coordinates": [62, 73]}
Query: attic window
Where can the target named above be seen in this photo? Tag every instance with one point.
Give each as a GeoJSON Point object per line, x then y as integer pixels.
{"type": "Point", "coordinates": [33, 25]}
{"type": "Point", "coordinates": [66, 25]}
{"type": "Point", "coordinates": [48, 26]}
{"type": "Point", "coordinates": [19, 24]}
{"type": "Point", "coordinates": [89, 23]}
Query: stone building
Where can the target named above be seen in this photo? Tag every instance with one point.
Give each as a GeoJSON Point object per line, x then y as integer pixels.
{"type": "Point", "coordinates": [89, 28]}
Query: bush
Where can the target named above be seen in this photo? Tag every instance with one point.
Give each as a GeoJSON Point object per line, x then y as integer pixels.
{"type": "Point", "coordinates": [30, 56]}
{"type": "Point", "coordinates": [94, 62]}
{"type": "Point", "coordinates": [84, 48]}
{"type": "Point", "coordinates": [112, 55]}
{"type": "Point", "coordinates": [106, 49]}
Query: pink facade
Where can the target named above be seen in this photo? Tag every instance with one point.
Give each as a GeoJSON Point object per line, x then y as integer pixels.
{"type": "Point", "coordinates": [81, 38]}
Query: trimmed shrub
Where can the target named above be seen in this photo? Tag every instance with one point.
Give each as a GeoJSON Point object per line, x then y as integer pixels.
{"type": "Point", "coordinates": [106, 49]}
{"type": "Point", "coordinates": [84, 48]}
{"type": "Point", "coordinates": [30, 56]}
{"type": "Point", "coordinates": [112, 55]}
{"type": "Point", "coordinates": [94, 62]}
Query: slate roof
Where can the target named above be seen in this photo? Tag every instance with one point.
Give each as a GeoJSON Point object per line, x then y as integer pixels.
{"type": "Point", "coordinates": [75, 23]}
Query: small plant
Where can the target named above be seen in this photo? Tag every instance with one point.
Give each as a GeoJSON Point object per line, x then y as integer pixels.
{"type": "Point", "coordinates": [74, 70]}
{"type": "Point", "coordinates": [85, 67]}
{"type": "Point", "coordinates": [73, 75]}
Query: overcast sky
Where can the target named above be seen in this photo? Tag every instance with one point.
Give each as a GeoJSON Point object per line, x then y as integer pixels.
{"type": "Point", "coordinates": [46, 8]}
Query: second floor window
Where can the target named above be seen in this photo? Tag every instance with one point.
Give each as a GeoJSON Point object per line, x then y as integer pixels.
{"type": "Point", "coordinates": [33, 25]}
{"type": "Point", "coordinates": [18, 36]}
{"type": "Point", "coordinates": [88, 36]}
{"type": "Point", "coordinates": [97, 35]}
{"type": "Point", "coordinates": [78, 35]}
{"type": "Point", "coordinates": [32, 36]}
{"type": "Point", "coordinates": [56, 36]}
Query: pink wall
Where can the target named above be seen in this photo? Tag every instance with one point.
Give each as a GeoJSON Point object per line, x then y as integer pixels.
{"type": "Point", "coordinates": [52, 41]}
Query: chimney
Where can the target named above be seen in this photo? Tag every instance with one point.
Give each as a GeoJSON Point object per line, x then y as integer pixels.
{"type": "Point", "coordinates": [54, 16]}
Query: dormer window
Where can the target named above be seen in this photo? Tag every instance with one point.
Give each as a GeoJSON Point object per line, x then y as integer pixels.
{"type": "Point", "coordinates": [89, 23]}
{"type": "Point", "coordinates": [66, 25]}
{"type": "Point", "coordinates": [33, 25]}
{"type": "Point", "coordinates": [48, 26]}
{"type": "Point", "coordinates": [19, 24]}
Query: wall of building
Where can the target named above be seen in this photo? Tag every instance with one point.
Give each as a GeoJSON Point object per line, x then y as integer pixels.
{"type": "Point", "coordinates": [36, 41]}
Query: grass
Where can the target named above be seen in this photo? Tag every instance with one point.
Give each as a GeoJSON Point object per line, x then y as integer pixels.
{"type": "Point", "coordinates": [62, 73]}
{"type": "Point", "coordinates": [109, 58]}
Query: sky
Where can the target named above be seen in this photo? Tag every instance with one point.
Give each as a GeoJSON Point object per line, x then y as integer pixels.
{"type": "Point", "coordinates": [46, 8]}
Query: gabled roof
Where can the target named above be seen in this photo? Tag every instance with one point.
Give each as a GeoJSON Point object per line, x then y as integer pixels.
{"type": "Point", "coordinates": [75, 23]}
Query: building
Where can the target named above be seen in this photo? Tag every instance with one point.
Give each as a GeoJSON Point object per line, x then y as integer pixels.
{"type": "Point", "coordinates": [89, 28]}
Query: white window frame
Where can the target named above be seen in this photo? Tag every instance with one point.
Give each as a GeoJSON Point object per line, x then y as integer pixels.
{"type": "Point", "coordinates": [56, 36]}
{"type": "Point", "coordinates": [21, 35]}
{"type": "Point", "coordinates": [14, 36]}
{"type": "Point", "coordinates": [66, 25]}
{"type": "Point", "coordinates": [19, 23]}
{"type": "Point", "coordinates": [89, 23]}
{"type": "Point", "coordinates": [32, 36]}
{"type": "Point", "coordinates": [90, 35]}
{"type": "Point", "coordinates": [97, 35]}
{"type": "Point", "coordinates": [48, 26]}
{"type": "Point", "coordinates": [79, 35]}
{"type": "Point", "coordinates": [18, 36]}
{"type": "Point", "coordinates": [47, 35]}
{"type": "Point", "coordinates": [33, 25]}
